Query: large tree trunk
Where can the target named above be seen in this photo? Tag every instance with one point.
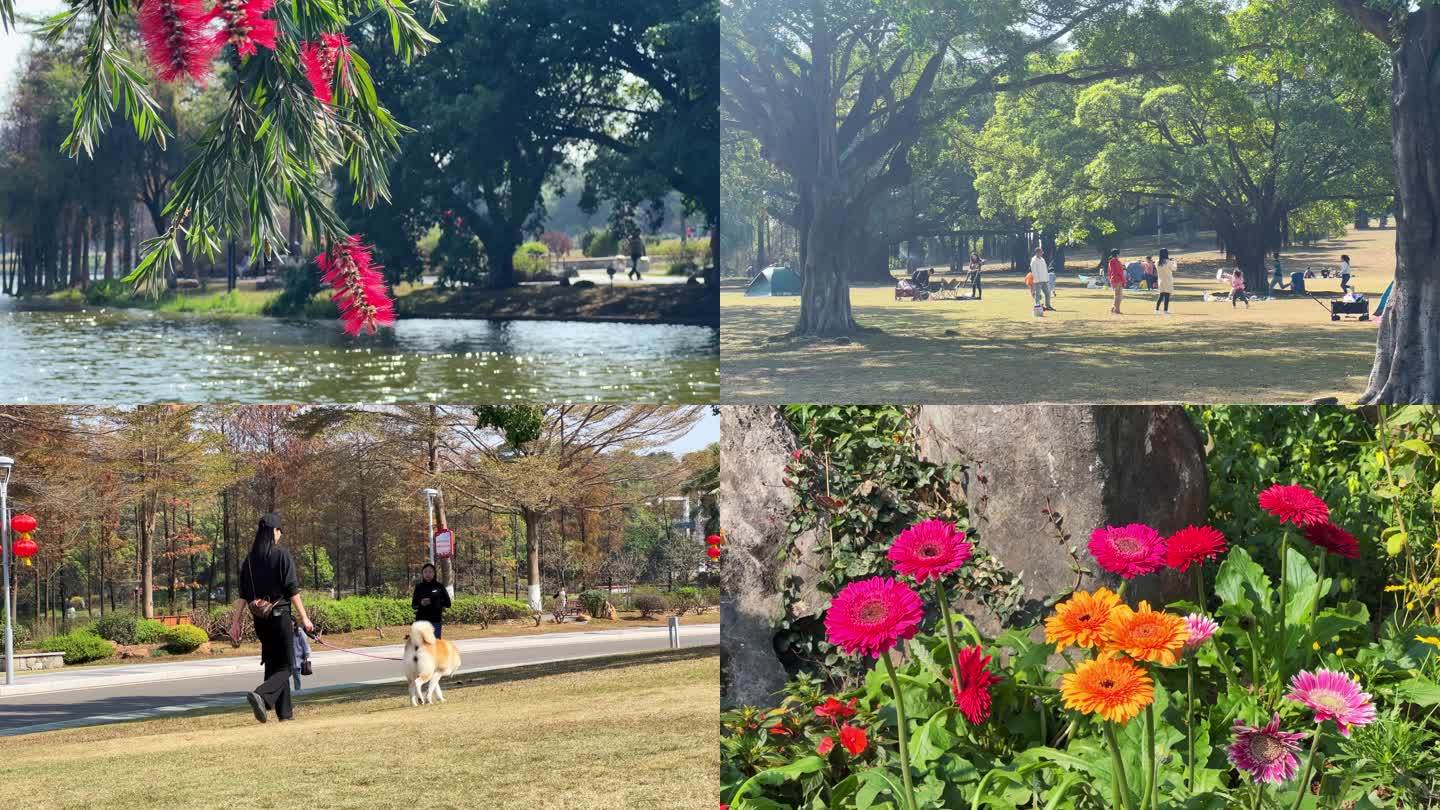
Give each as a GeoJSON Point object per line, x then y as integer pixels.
{"type": "Point", "coordinates": [1407, 349]}
{"type": "Point", "coordinates": [500, 256]}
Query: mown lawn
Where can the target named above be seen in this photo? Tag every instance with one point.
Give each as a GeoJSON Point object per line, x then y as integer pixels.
{"type": "Point", "coordinates": [994, 351]}
{"type": "Point", "coordinates": [633, 732]}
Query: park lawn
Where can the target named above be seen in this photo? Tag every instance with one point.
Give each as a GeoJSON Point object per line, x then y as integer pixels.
{"type": "Point", "coordinates": [395, 634]}
{"type": "Point", "coordinates": [1282, 350]}
{"type": "Point", "coordinates": [628, 731]}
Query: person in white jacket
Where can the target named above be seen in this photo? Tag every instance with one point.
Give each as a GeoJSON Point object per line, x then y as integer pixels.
{"type": "Point", "coordinates": [1040, 271]}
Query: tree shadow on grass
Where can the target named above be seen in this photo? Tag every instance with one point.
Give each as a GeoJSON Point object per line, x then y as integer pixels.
{"type": "Point", "coordinates": [1056, 360]}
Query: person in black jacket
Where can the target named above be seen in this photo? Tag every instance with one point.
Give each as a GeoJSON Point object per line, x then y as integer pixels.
{"type": "Point", "coordinates": [430, 598]}
{"type": "Point", "coordinates": [270, 586]}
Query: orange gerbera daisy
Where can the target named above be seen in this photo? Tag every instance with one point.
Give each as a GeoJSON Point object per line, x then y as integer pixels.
{"type": "Point", "coordinates": [1112, 687]}
{"type": "Point", "coordinates": [1079, 619]}
{"type": "Point", "coordinates": [1145, 634]}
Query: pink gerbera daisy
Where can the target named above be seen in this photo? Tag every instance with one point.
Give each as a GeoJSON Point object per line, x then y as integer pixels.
{"type": "Point", "coordinates": [1129, 551]}
{"type": "Point", "coordinates": [929, 550]}
{"type": "Point", "coordinates": [1294, 504]}
{"type": "Point", "coordinates": [1333, 539]}
{"type": "Point", "coordinates": [870, 616]}
{"type": "Point", "coordinates": [1333, 696]}
{"type": "Point", "coordinates": [1200, 628]}
{"type": "Point", "coordinates": [1193, 545]}
{"type": "Point", "coordinates": [971, 682]}
{"type": "Point", "coordinates": [1266, 753]}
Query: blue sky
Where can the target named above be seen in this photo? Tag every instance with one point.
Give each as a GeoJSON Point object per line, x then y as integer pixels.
{"type": "Point", "coordinates": [706, 431]}
{"type": "Point", "coordinates": [12, 43]}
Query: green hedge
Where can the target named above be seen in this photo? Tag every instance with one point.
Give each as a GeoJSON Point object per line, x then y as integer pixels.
{"type": "Point", "coordinates": [183, 638]}
{"type": "Point", "coordinates": [79, 647]}
{"type": "Point", "coordinates": [149, 631]}
{"type": "Point", "coordinates": [361, 612]}
{"type": "Point", "coordinates": [650, 604]}
{"type": "Point", "coordinates": [117, 627]}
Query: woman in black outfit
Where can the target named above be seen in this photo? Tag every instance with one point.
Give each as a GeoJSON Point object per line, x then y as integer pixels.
{"type": "Point", "coordinates": [269, 584]}
{"type": "Point", "coordinates": [430, 598]}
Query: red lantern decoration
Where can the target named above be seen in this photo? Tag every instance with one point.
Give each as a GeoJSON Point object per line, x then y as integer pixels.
{"type": "Point", "coordinates": [24, 547]}
{"type": "Point", "coordinates": [713, 552]}
{"type": "Point", "coordinates": [713, 540]}
{"type": "Point", "coordinates": [23, 523]}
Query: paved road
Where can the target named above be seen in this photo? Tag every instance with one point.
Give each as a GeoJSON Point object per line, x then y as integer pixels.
{"type": "Point", "coordinates": [117, 693]}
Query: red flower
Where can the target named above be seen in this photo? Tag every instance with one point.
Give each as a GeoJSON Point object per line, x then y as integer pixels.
{"type": "Point", "coordinates": [176, 40]}
{"type": "Point", "coordinates": [1193, 545]}
{"type": "Point", "coordinates": [971, 682]}
{"type": "Point", "coordinates": [359, 288]}
{"type": "Point", "coordinates": [1333, 539]}
{"type": "Point", "coordinates": [713, 552]}
{"type": "Point", "coordinates": [779, 730]}
{"type": "Point", "coordinates": [825, 745]}
{"type": "Point", "coordinates": [854, 739]}
{"type": "Point", "coordinates": [1294, 504]}
{"type": "Point", "coordinates": [835, 710]}
{"type": "Point", "coordinates": [245, 25]}
{"type": "Point", "coordinates": [320, 60]}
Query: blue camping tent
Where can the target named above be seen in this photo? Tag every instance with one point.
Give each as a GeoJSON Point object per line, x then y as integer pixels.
{"type": "Point", "coordinates": [775, 280]}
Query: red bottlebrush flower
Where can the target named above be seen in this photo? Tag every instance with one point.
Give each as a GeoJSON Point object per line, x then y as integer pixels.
{"type": "Point", "coordinates": [320, 60]}
{"type": "Point", "coordinates": [834, 709]}
{"type": "Point", "coordinates": [1193, 545]}
{"type": "Point", "coordinates": [176, 40]}
{"type": "Point", "coordinates": [1333, 539]}
{"type": "Point", "coordinates": [1294, 504]}
{"type": "Point", "coordinates": [245, 25]}
{"type": "Point", "coordinates": [854, 739]}
{"type": "Point", "coordinates": [823, 749]}
{"type": "Point", "coordinates": [359, 288]}
{"type": "Point", "coordinates": [971, 682]}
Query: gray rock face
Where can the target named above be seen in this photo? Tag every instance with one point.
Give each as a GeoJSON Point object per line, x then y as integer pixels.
{"type": "Point", "coordinates": [755, 504]}
{"type": "Point", "coordinates": [1093, 465]}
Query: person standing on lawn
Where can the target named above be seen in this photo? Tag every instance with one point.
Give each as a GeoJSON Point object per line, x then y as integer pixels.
{"type": "Point", "coordinates": [1344, 274]}
{"type": "Point", "coordinates": [977, 289]}
{"type": "Point", "coordinates": [1115, 273]}
{"type": "Point", "coordinates": [1164, 280]}
{"type": "Point", "coordinates": [270, 590]}
{"type": "Point", "coordinates": [1041, 273]}
{"type": "Point", "coordinates": [430, 599]}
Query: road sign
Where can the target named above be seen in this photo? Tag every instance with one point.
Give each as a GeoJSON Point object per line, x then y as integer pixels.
{"type": "Point", "coordinates": [444, 543]}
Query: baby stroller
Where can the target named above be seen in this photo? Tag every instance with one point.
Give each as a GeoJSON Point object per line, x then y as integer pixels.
{"type": "Point", "coordinates": [916, 288]}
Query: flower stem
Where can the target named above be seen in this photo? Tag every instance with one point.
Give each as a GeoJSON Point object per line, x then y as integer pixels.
{"type": "Point", "coordinates": [1190, 724]}
{"type": "Point", "coordinates": [1122, 787]}
{"type": "Point", "coordinates": [949, 636]}
{"type": "Point", "coordinates": [1284, 552]}
{"type": "Point", "coordinates": [1304, 786]}
{"type": "Point", "coordinates": [1315, 608]}
{"type": "Point", "coordinates": [1259, 792]}
{"type": "Point", "coordinates": [1152, 776]}
{"type": "Point", "coordinates": [904, 733]}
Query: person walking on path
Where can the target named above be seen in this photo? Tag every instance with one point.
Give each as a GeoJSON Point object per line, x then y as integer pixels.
{"type": "Point", "coordinates": [1041, 273]}
{"type": "Point", "coordinates": [976, 288]}
{"type": "Point", "coordinates": [637, 250]}
{"type": "Point", "coordinates": [1115, 273]}
{"type": "Point", "coordinates": [270, 590]}
{"type": "Point", "coordinates": [1344, 273]}
{"type": "Point", "coordinates": [1164, 280]}
{"type": "Point", "coordinates": [430, 599]}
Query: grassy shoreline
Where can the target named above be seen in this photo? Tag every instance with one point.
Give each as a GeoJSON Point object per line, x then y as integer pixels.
{"type": "Point", "coordinates": [677, 304]}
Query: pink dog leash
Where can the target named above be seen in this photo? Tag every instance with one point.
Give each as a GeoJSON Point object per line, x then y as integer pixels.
{"type": "Point", "coordinates": [322, 642]}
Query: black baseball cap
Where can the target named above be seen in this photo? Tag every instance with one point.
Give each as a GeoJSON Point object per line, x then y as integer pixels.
{"type": "Point", "coordinates": [271, 520]}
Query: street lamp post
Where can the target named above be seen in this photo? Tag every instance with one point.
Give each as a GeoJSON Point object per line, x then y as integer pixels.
{"type": "Point", "coordinates": [430, 493]}
{"type": "Point", "coordinates": [6, 465]}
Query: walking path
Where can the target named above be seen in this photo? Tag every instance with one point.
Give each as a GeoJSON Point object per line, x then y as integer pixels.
{"type": "Point", "coordinates": [89, 696]}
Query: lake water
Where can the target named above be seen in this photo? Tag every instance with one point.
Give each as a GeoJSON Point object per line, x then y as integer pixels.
{"type": "Point", "coordinates": [126, 356]}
